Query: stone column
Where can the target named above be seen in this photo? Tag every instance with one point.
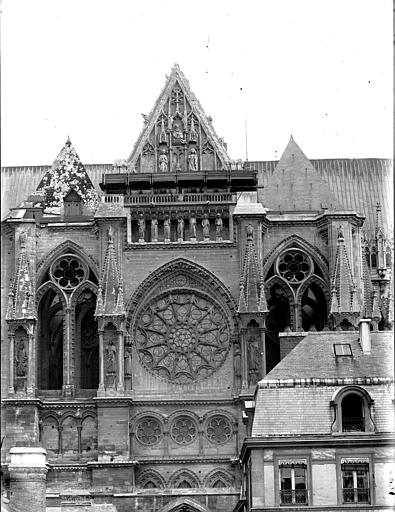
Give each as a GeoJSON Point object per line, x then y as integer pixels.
{"type": "Point", "coordinates": [244, 359]}
{"type": "Point", "coordinates": [11, 339]}
{"type": "Point", "coordinates": [31, 373]}
{"type": "Point", "coordinates": [28, 474]}
{"type": "Point", "coordinates": [121, 363]}
{"type": "Point", "coordinates": [68, 387]}
{"type": "Point", "coordinates": [101, 362]}
{"type": "Point", "coordinates": [263, 352]}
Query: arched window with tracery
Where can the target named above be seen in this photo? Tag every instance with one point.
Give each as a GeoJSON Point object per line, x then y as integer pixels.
{"type": "Point", "coordinates": [67, 330]}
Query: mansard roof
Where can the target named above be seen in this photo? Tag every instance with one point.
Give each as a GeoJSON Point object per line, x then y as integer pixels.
{"type": "Point", "coordinates": [66, 173]}
{"type": "Point", "coordinates": [177, 108]}
{"type": "Point", "coordinates": [314, 357]}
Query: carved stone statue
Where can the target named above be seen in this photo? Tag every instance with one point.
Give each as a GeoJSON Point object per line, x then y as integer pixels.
{"type": "Point", "coordinates": [237, 366]}
{"type": "Point", "coordinates": [340, 233]}
{"type": "Point", "coordinates": [128, 360]}
{"type": "Point", "coordinates": [177, 133]}
{"type": "Point", "coordinates": [193, 160]}
{"type": "Point", "coordinates": [180, 229]}
{"type": "Point", "coordinates": [154, 229]}
{"type": "Point", "coordinates": [250, 232]}
{"type": "Point", "coordinates": [110, 357]}
{"type": "Point", "coordinates": [206, 226]}
{"type": "Point", "coordinates": [254, 365]}
{"type": "Point", "coordinates": [218, 227]}
{"type": "Point", "coordinates": [141, 226]}
{"type": "Point", "coordinates": [21, 359]}
{"type": "Point", "coordinates": [163, 162]}
{"type": "Point", "coordinates": [166, 228]}
{"type": "Point", "coordinates": [192, 227]}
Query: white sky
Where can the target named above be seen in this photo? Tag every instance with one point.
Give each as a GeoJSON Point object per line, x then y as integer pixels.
{"type": "Point", "coordinates": [88, 68]}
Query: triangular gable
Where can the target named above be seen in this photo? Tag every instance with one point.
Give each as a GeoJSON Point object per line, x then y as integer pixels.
{"type": "Point", "coordinates": [66, 173]}
{"type": "Point", "coordinates": [177, 135]}
{"type": "Point", "coordinates": [295, 184]}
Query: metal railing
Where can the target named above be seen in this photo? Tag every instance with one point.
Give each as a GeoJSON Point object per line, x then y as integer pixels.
{"type": "Point", "coordinates": [358, 495]}
{"type": "Point", "coordinates": [353, 424]}
{"type": "Point", "coordinates": [293, 496]}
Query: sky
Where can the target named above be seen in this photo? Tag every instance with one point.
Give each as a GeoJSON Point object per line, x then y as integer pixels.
{"type": "Point", "coordinates": [262, 69]}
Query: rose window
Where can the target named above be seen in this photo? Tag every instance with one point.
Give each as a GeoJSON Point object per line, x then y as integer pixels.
{"type": "Point", "coordinates": [149, 431]}
{"type": "Point", "coordinates": [182, 337]}
{"type": "Point", "coordinates": [183, 430]}
{"type": "Point", "coordinates": [294, 266]}
{"type": "Point", "coordinates": [219, 429]}
{"type": "Point", "coordinates": [68, 272]}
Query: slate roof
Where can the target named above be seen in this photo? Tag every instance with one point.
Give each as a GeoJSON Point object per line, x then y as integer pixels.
{"type": "Point", "coordinates": [314, 357]}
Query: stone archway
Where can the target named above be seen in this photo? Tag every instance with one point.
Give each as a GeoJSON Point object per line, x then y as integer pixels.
{"type": "Point", "coordinates": [184, 505]}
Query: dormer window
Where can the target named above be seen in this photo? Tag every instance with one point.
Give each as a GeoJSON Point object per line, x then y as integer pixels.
{"type": "Point", "coordinates": [72, 204]}
{"type": "Point", "coordinates": [342, 349]}
{"type": "Point", "coordinates": [352, 410]}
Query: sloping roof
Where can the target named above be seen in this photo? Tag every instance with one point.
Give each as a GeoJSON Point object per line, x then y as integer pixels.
{"type": "Point", "coordinates": [296, 185]}
{"type": "Point", "coordinates": [358, 183]}
{"type": "Point", "coordinates": [314, 357]}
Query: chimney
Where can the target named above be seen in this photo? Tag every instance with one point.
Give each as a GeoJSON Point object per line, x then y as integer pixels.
{"type": "Point", "coordinates": [364, 335]}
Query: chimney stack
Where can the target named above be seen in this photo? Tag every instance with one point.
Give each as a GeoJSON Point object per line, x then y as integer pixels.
{"type": "Point", "coordinates": [364, 335]}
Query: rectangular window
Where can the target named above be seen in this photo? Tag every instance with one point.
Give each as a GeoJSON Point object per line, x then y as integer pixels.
{"type": "Point", "coordinates": [293, 489]}
{"type": "Point", "coordinates": [342, 349]}
{"type": "Point", "coordinates": [355, 483]}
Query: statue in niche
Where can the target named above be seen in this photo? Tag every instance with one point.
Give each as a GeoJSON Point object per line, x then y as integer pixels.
{"type": "Point", "coordinates": [163, 162]}
{"type": "Point", "coordinates": [141, 227]}
{"type": "Point", "coordinates": [254, 357]}
{"type": "Point", "coordinates": [250, 231]}
{"type": "Point", "coordinates": [193, 160]}
{"type": "Point", "coordinates": [237, 366]}
{"type": "Point", "coordinates": [110, 357]}
{"type": "Point", "coordinates": [166, 228]}
{"type": "Point", "coordinates": [218, 227]}
{"type": "Point", "coordinates": [154, 229]}
{"type": "Point", "coordinates": [180, 228]}
{"type": "Point", "coordinates": [206, 226]}
{"type": "Point", "coordinates": [128, 360]}
{"type": "Point", "coordinates": [177, 134]}
{"type": "Point", "coordinates": [340, 233]}
{"type": "Point", "coordinates": [192, 226]}
{"type": "Point", "coordinates": [21, 358]}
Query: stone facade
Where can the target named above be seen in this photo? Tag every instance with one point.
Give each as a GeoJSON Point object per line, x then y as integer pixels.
{"type": "Point", "coordinates": [139, 317]}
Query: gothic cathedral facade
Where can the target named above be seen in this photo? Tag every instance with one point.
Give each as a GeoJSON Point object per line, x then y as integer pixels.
{"type": "Point", "coordinates": [143, 302]}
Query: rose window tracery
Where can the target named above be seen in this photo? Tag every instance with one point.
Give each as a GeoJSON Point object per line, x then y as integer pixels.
{"type": "Point", "coordinates": [68, 272]}
{"type": "Point", "coordinates": [183, 430]}
{"type": "Point", "coordinates": [219, 429]}
{"type": "Point", "coordinates": [294, 266]}
{"type": "Point", "coordinates": [182, 336]}
{"type": "Point", "coordinates": [149, 431]}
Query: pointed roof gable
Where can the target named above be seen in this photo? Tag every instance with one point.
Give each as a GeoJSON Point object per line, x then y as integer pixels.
{"type": "Point", "coordinates": [177, 120]}
{"type": "Point", "coordinates": [252, 296]}
{"type": "Point", "coordinates": [21, 304]}
{"type": "Point", "coordinates": [344, 295]}
{"type": "Point", "coordinates": [295, 184]}
{"type": "Point", "coordinates": [66, 173]}
{"type": "Point", "coordinates": [110, 292]}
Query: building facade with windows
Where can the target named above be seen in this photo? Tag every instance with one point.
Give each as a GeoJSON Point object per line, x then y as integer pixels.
{"type": "Point", "coordinates": [143, 302]}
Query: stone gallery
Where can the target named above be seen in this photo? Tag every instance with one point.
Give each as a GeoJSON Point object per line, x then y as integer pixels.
{"type": "Point", "coordinates": [185, 332]}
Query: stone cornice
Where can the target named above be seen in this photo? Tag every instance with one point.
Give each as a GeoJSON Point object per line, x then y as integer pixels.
{"type": "Point", "coordinates": [290, 383]}
{"type": "Point", "coordinates": [110, 401]}
{"type": "Point", "coordinates": [348, 440]}
{"type": "Point", "coordinates": [158, 402]}
{"type": "Point", "coordinates": [21, 402]}
{"type": "Point", "coordinates": [155, 246]}
{"type": "Point", "coordinates": [197, 459]}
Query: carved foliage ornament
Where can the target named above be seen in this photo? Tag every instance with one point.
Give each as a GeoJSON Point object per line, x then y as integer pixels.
{"type": "Point", "coordinates": [182, 336]}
